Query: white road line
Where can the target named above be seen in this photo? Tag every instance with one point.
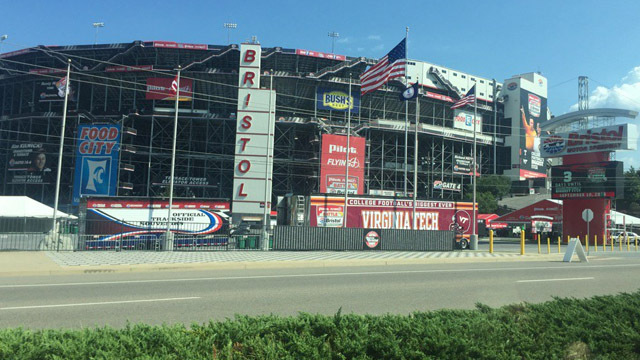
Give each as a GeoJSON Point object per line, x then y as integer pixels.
{"type": "Point", "coordinates": [97, 303]}
{"type": "Point", "coordinates": [370, 273]}
{"type": "Point", "coordinates": [565, 279]}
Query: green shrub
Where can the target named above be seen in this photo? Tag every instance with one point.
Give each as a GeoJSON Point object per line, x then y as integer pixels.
{"type": "Point", "coordinates": [603, 327]}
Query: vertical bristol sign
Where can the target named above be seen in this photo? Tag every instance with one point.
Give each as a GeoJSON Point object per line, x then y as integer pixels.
{"type": "Point", "coordinates": [253, 165]}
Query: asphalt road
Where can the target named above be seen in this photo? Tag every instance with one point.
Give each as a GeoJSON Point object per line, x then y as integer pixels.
{"type": "Point", "coordinates": [199, 296]}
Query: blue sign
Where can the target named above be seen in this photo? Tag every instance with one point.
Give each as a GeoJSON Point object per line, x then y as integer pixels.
{"type": "Point", "coordinates": [97, 152]}
{"type": "Point", "coordinates": [337, 100]}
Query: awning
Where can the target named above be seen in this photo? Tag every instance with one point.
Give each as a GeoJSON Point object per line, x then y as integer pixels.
{"type": "Point", "coordinates": [26, 207]}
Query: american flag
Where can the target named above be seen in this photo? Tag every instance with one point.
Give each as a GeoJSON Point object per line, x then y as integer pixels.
{"type": "Point", "coordinates": [470, 98]}
{"type": "Point", "coordinates": [391, 66]}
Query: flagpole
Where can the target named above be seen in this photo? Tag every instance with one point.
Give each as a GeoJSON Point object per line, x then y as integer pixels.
{"type": "Point", "coordinates": [346, 176]}
{"type": "Point", "coordinates": [415, 156]}
{"type": "Point", "coordinates": [406, 108]}
{"type": "Point", "coordinates": [169, 243]}
{"type": "Point", "coordinates": [60, 152]}
{"type": "Point", "coordinates": [475, 167]}
{"type": "Point", "coordinates": [267, 193]}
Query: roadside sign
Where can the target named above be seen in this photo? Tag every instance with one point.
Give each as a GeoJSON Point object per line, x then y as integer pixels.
{"type": "Point", "coordinates": [587, 215]}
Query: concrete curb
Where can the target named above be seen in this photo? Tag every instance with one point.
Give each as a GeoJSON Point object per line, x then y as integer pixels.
{"type": "Point", "coordinates": [245, 265]}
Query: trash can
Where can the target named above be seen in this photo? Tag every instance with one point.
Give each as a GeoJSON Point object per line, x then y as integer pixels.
{"type": "Point", "coordinates": [241, 242]}
{"type": "Point", "coordinates": [252, 242]}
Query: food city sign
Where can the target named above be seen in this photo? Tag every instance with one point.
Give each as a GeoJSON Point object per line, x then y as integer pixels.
{"type": "Point", "coordinates": [253, 165]}
{"type": "Point", "coordinates": [607, 138]}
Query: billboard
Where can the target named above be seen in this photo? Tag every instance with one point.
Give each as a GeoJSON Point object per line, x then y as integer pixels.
{"type": "Point", "coordinates": [606, 138]}
{"type": "Point", "coordinates": [97, 159]}
{"type": "Point", "coordinates": [533, 112]}
{"type": "Point", "coordinates": [372, 213]}
{"type": "Point", "coordinates": [160, 89]}
{"type": "Point", "coordinates": [114, 218]}
{"type": "Point", "coordinates": [321, 55]}
{"type": "Point", "coordinates": [333, 161]}
{"type": "Point", "coordinates": [337, 100]}
{"type": "Point", "coordinates": [53, 90]}
{"type": "Point", "coordinates": [30, 163]}
{"type": "Point", "coordinates": [462, 165]}
{"type": "Point", "coordinates": [593, 180]}
{"type": "Point", "coordinates": [449, 186]}
{"type": "Point", "coordinates": [464, 120]}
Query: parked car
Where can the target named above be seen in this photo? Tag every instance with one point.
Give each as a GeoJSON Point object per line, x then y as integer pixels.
{"type": "Point", "coordinates": [621, 236]}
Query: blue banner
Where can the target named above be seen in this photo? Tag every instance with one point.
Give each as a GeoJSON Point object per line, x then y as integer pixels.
{"type": "Point", "coordinates": [97, 155]}
{"type": "Point", "coordinates": [338, 100]}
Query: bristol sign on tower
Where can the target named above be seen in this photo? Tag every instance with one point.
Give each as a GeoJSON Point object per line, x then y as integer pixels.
{"type": "Point", "coordinates": [253, 165]}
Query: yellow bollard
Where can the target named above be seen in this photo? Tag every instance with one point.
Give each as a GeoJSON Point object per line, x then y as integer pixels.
{"type": "Point", "coordinates": [522, 242]}
{"type": "Point", "coordinates": [559, 241]}
{"type": "Point", "coordinates": [595, 242]}
{"type": "Point", "coordinates": [628, 247]}
{"type": "Point", "coordinates": [636, 239]}
{"type": "Point", "coordinates": [611, 239]}
{"type": "Point", "coordinates": [620, 243]}
{"type": "Point", "coordinates": [538, 236]}
{"type": "Point", "coordinates": [568, 238]}
{"type": "Point", "coordinates": [548, 244]}
{"type": "Point", "coordinates": [490, 241]}
{"type": "Point", "coordinates": [586, 241]}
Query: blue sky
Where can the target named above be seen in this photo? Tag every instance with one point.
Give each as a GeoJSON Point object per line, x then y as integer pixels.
{"type": "Point", "coordinates": [563, 39]}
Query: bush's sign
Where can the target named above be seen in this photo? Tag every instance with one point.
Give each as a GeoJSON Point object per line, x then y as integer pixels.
{"type": "Point", "coordinates": [334, 158]}
{"type": "Point", "coordinates": [96, 173]}
{"type": "Point", "coordinates": [607, 138]}
{"type": "Point", "coordinates": [372, 213]}
{"type": "Point", "coordinates": [449, 186]}
{"type": "Point", "coordinates": [337, 100]}
{"type": "Point", "coordinates": [112, 218]}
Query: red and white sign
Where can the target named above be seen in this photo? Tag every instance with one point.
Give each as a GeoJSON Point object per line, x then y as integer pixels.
{"type": "Point", "coordinates": [464, 120]}
{"type": "Point", "coordinates": [370, 213]}
{"type": "Point", "coordinates": [128, 68]}
{"type": "Point", "coordinates": [333, 166]}
{"type": "Point", "coordinates": [175, 45]}
{"type": "Point", "coordinates": [320, 55]}
{"type": "Point", "coordinates": [439, 96]}
{"type": "Point", "coordinates": [160, 89]}
{"type": "Point", "coordinates": [46, 71]}
{"type": "Point", "coordinates": [253, 165]}
{"type": "Point", "coordinates": [372, 239]}
{"type": "Point", "coordinates": [602, 139]}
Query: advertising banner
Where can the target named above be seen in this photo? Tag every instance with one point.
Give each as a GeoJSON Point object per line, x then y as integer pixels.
{"type": "Point", "coordinates": [533, 112]}
{"type": "Point", "coordinates": [115, 218]}
{"type": "Point", "coordinates": [464, 120]}
{"type": "Point", "coordinates": [462, 165]}
{"type": "Point", "coordinates": [337, 100]}
{"type": "Point", "coordinates": [321, 55]}
{"type": "Point", "coordinates": [175, 45]}
{"type": "Point", "coordinates": [607, 138]}
{"type": "Point", "coordinates": [333, 161]}
{"type": "Point", "coordinates": [53, 90]}
{"type": "Point", "coordinates": [30, 163]}
{"type": "Point", "coordinates": [160, 89]}
{"type": "Point", "coordinates": [185, 181]}
{"type": "Point", "coordinates": [593, 180]}
{"type": "Point", "coordinates": [97, 159]}
{"type": "Point", "coordinates": [123, 68]}
{"type": "Point", "coordinates": [370, 213]}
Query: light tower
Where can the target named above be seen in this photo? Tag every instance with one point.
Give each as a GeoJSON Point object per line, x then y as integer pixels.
{"type": "Point", "coordinates": [333, 35]}
{"type": "Point", "coordinates": [583, 93]}
{"type": "Point", "coordinates": [97, 25]}
{"type": "Point", "coordinates": [229, 26]}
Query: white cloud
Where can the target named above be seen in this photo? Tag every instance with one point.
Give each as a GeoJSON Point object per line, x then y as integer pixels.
{"type": "Point", "coordinates": [360, 49]}
{"type": "Point", "coordinates": [625, 95]}
{"type": "Point", "coordinates": [377, 47]}
{"type": "Point", "coordinates": [344, 40]}
{"type": "Point", "coordinates": [374, 37]}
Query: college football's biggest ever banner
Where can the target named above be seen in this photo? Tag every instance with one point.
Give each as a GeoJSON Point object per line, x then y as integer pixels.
{"type": "Point", "coordinates": [334, 158]}
{"type": "Point", "coordinates": [97, 158]}
{"type": "Point", "coordinates": [372, 213]}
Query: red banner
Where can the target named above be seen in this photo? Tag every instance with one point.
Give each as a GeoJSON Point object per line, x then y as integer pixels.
{"type": "Point", "coordinates": [370, 213]}
{"type": "Point", "coordinates": [175, 45]}
{"type": "Point", "coordinates": [124, 68]}
{"type": "Point", "coordinates": [320, 55]}
{"type": "Point", "coordinates": [334, 159]}
{"type": "Point", "coordinates": [160, 89]}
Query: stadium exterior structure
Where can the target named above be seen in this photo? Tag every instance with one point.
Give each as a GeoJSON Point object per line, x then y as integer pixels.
{"type": "Point", "coordinates": [113, 84]}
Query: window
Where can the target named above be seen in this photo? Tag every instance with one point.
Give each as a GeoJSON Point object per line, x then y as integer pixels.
{"type": "Point", "coordinates": [455, 74]}
{"type": "Point", "coordinates": [481, 94]}
{"type": "Point", "coordinates": [481, 81]}
{"type": "Point", "coordinates": [473, 79]}
{"type": "Point", "coordinates": [435, 82]}
{"type": "Point", "coordinates": [491, 96]}
{"type": "Point", "coordinates": [463, 89]}
{"type": "Point", "coordinates": [444, 71]}
{"type": "Point", "coordinates": [409, 77]}
{"type": "Point", "coordinates": [463, 76]}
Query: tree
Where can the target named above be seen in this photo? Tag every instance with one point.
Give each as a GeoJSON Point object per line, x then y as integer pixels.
{"type": "Point", "coordinates": [489, 188]}
{"type": "Point", "coordinates": [487, 203]}
{"type": "Point", "coordinates": [631, 200]}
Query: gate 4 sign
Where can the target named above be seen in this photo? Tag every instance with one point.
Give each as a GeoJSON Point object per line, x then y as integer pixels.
{"type": "Point", "coordinates": [594, 180]}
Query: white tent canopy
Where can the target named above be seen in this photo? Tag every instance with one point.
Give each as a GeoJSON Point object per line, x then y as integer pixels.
{"type": "Point", "coordinates": [24, 206]}
{"type": "Point", "coordinates": [618, 219]}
